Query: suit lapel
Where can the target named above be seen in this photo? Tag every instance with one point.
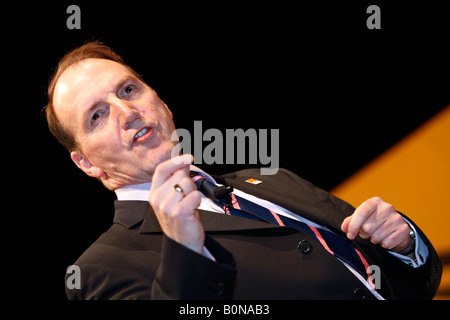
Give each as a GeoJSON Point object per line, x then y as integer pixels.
{"type": "Point", "coordinates": [130, 213]}
{"type": "Point", "coordinates": [290, 192]}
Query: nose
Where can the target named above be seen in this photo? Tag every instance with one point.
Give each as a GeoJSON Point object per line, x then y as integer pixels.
{"type": "Point", "coordinates": [126, 114]}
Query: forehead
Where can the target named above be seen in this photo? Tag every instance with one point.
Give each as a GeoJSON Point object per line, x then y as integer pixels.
{"type": "Point", "coordinates": [83, 82]}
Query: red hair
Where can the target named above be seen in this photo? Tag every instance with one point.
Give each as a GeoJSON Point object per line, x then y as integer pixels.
{"type": "Point", "coordinates": [93, 49]}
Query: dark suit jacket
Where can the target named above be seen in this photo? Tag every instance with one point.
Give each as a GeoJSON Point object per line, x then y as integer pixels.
{"type": "Point", "coordinates": [254, 260]}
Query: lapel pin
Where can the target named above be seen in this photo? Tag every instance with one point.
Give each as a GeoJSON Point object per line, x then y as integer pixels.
{"type": "Point", "coordinates": [253, 181]}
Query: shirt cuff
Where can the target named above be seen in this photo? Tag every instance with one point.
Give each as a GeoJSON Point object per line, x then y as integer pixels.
{"type": "Point", "coordinates": [420, 254]}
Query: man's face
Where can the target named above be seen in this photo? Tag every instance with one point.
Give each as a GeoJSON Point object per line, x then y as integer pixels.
{"type": "Point", "coordinates": [123, 129]}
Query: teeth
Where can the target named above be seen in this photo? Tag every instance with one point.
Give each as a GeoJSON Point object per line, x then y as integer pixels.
{"type": "Point", "coordinates": [141, 133]}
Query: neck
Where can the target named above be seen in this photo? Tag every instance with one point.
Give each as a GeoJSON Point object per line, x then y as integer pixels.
{"type": "Point", "coordinates": [119, 182]}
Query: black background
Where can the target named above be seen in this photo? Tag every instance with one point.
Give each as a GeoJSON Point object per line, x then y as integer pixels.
{"type": "Point", "coordinates": [340, 95]}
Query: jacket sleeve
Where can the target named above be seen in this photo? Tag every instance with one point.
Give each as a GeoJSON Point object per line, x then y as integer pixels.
{"type": "Point", "coordinates": [185, 274]}
{"type": "Point", "coordinates": [406, 281]}
{"type": "Point", "coordinates": [181, 274]}
{"type": "Point", "coordinates": [101, 282]}
{"type": "Point", "coordinates": [428, 275]}
{"type": "Point", "coordinates": [402, 281]}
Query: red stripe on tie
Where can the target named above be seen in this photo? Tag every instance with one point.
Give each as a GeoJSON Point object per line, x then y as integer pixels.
{"type": "Point", "coordinates": [321, 240]}
{"type": "Point", "coordinates": [275, 215]}
{"type": "Point", "coordinates": [366, 265]}
{"type": "Point", "coordinates": [234, 202]}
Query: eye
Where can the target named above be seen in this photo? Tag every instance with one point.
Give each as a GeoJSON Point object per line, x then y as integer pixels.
{"type": "Point", "coordinates": [128, 90]}
{"type": "Point", "coordinates": [95, 116]}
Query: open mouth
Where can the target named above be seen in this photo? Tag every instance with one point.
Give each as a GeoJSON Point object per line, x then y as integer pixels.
{"type": "Point", "coordinates": [142, 134]}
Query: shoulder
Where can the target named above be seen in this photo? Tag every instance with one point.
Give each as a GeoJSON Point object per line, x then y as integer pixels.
{"type": "Point", "coordinates": [282, 176]}
{"type": "Point", "coordinates": [284, 182]}
{"type": "Point", "coordinates": [120, 264]}
{"type": "Point", "coordinates": [119, 243]}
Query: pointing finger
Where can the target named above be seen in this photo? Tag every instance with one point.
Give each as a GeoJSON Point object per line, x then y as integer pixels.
{"type": "Point", "coordinates": [167, 168]}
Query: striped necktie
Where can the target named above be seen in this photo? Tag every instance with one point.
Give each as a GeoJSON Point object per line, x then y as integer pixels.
{"type": "Point", "coordinates": [335, 244]}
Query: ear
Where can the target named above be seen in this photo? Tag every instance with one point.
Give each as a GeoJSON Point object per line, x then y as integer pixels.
{"type": "Point", "coordinates": [85, 165]}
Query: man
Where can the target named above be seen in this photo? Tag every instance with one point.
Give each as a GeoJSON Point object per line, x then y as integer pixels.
{"type": "Point", "coordinates": [169, 241]}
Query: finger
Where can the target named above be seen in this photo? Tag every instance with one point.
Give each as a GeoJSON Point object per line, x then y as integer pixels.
{"type": "Point", "coordinates": [393, 234]}
{"type": "Point", "coordinates": [344, 225]}
{"type": "Point", "coordinates": [184, 225]}
{"type": "Point", "coordinates": [166, 196]}
{"type": "Point", "coordinates": [174, 209]}
{"type": "Point", "coordinates": [371, 225]}
{"type": "Point", "coordinates": [379, 234]}
{"type": "Point", "coordinates": [361, 214]}
{"type": "Point", "coordinates": [167, 168]}
{"type": "Point", "coordinates": [380, 221]}
{"type": "Point", "coordinates": [185, 184]}
{"type": "Point", "coordinates": [398, 240]}
{"type": "Point", "coordinates": [187, 207]}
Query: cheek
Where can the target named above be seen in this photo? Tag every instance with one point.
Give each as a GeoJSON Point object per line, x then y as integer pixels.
{"type": "Point", "coordinates": [103, 147]}
{"type": "Point", "coordinates": [166, 122]}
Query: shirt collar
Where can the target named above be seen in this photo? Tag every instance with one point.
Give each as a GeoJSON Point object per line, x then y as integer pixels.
{"type": "Point", "coordinates": [140, 192]}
